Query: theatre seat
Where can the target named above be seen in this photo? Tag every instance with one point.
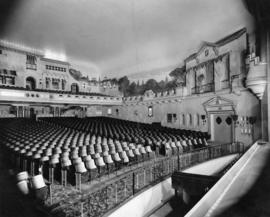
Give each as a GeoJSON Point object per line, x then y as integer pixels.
{"type": "Point", "coordinates": [96, 145]}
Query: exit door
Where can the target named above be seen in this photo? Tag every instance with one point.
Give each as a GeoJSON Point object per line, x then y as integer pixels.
{"type": "Point", "coordinates": [221, 128]}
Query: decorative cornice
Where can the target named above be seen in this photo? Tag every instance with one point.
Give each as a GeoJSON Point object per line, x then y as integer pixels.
{"type": "Point", "coordinates": [203, 64]}
{"type": "Point", "coordinates": [55, 61]}
{"type": "Point", "coordinates": [20, 48]}
{"type": "Point", "coordinates": [217, 44]}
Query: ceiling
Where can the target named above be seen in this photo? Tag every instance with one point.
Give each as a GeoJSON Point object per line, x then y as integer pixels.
{"type": "Point", "coordinates": [139, 38]}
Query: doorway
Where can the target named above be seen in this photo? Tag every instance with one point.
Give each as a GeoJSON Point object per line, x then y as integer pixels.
{"type": "Point", "coordinates": [30, 83]}
{"type": "Point", "coordinates": [221, 127]}
{"type": "Point", "coordinates": [74, 88]}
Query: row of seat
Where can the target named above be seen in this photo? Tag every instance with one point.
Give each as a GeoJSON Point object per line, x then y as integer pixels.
{"type": "Point", "coordinates": [48, 145]}
{"type": "Point", "coordinates": [125, 130]}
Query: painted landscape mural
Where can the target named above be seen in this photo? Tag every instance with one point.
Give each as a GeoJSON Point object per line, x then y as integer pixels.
{"type": "Point", "coordinates": [131, 88]}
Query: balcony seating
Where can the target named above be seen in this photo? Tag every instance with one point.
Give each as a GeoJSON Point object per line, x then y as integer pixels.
{"type": "Point", "coordinates": [109, 163]}
{"type": "Point", "coordinates": [101, 166]}
{"type": "Point", "coordinates": [92, 147]}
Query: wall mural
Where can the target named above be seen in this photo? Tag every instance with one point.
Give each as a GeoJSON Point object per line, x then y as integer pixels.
{"type": "Point", "coordinates": [177, 78]}
{"type": "Point", "coordinates": [77, 75]}
{"type": "Point", "coordinates": [199, 78]}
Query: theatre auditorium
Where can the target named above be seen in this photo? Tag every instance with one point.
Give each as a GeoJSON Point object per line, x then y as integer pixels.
{"type": "Point", "coordinates": [131, 108]}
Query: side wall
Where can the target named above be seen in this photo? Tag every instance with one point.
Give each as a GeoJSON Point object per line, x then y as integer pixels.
{"type": "Point", "coordinates": [246, 105]}
{"type": "Point", "coordinates": [145, 202]}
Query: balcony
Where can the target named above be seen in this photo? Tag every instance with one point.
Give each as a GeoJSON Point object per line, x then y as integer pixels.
{"type": "Point", "coordinates": [132, 186]}
{"type": "Point", "coordinates": [31, 66]}
{"type": "Point", "coordinates": [17, 94]}
{"type": "Point", "coordinates": [203, 88]}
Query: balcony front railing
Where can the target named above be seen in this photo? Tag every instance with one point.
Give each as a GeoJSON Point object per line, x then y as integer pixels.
{"type": "Point", "coordinates": [20, 94]}
{"type": "Point", "coordinates": [119, 189]}
{"type": "Point", "coordinates": [31, 66]}
{"type": "Point", "coordinates": [203, 88]}
{"type": "Point", "coordinates": [225, 194]}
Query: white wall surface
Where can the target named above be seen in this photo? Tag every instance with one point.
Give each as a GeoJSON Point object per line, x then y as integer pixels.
{"type": "Point", "coordinates": [145, 202]}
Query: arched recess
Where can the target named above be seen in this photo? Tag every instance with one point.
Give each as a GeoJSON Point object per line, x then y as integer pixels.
{"type": "Point", "coordinates": [32, 113]}
{"type": "Point", "coordinates": [220, 125]}
{"type": "Point", "coordinates": [30, 83]}
{"type": "Point", "coordinates": [74, 88]}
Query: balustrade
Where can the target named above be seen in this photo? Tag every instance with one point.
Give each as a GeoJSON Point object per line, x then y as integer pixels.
{"type": "Point", "coordinates": [203, 88]}
{"type": "Point", "coordinates": [108, 197]}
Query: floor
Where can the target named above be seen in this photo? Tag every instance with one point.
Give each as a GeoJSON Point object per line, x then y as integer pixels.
{"type": "Point", "coordinates": [173, 208]}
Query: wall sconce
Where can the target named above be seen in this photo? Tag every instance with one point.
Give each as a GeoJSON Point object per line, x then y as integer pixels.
{"type": "Point", "coordinates": [252, 120]}
{"type": "Point", "coordinates": [235, 120]}
{"type": "Point", "coordinates": [203, 117]}
{"type": "Point", "coordinates": [235, 117]}
{"type": "Point", "coordinates": [150, 111]}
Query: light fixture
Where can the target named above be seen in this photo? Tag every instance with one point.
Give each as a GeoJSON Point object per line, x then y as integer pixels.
{"type": "Point", "coordinates": [11, 94]}
{"type": "Point", "coordinates": [252, 120]}
{"type": "Point", "coordinates": [235, 117]}
{"type": "Point", "coordinates": [49, 54]}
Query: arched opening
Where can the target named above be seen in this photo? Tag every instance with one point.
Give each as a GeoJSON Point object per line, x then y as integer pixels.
{"type": "Point", "coordinates": [221, 127]}
{"type": "Point", "coordinates": [30, 83]}
{"type": "Point", "coordinates": [183, 119]}
{"type": "Point", "coordinates": [74, 88]}
{"type": "Point", "coordinates": [190, 119]}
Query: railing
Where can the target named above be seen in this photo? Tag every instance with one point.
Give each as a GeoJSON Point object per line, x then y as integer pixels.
{"type": "Point", "coordinates": [203, 88]}
{"type": "Point", "coordinates": [22, 95]}
{"type": "Point", "coordinates": [31, 66]}
{"type": "Point", "coordinates": [222, 195]}
{"type": "Point", "coordinates": [112, 194]}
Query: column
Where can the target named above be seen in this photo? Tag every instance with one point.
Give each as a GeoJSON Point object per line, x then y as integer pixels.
{"type": "Point", "coordinates": [17, 111]}
{"type": "Point", "coordinates": [23, 111]}
{"type": "Point", "coordinates": [54, 112]}
{"type": "Point", "coordinates": [267, 137]}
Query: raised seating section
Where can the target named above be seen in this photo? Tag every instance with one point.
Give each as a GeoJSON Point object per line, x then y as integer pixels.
{"type": "Point", "coordinates": [61, 148]}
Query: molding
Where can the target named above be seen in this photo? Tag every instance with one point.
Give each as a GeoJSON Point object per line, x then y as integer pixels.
{"type": "Point", "coordinates": [218, 104]}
